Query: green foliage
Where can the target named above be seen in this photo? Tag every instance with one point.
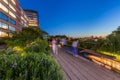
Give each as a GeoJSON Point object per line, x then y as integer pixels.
{"type": "Point", "coordinates": [28, 33]}
{"type": "Point", "coordinates": [27, 57]}
{"type": "Point", "coordinates": [89, 44]}
{"type": "Point", "coordinates": [38, 45]}
{"type": "Point", "coordinates": [29, 67]}
{"type": "Point", "coordinates": [110, 45]}
{"type": "Point", "coordinates": [69, 43]}
{"type": "Point", "coordinates": [33, 62]}
{"type": "Point", "coordinates": [112, 42]}
{"type": "Point", "coordinates": [25, 36]}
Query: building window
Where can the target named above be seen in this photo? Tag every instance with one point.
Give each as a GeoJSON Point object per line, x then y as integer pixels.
{"type": "Point", "coordinates": [6, 1]}
{"type": "Point", "coordinates": [4, 8]}
{"type": "Point", "coordinates": [13, 8]}
{"type": "Point", "coordinates": [22, 18]}
{"type": "Point", "coordinates": [12, 28]}
{"type": "Point", "coordinates": [3, 25]}
{"type": "Point", "coordinates": [13, 1]}
{"type": "Point", "coordinates": [12, 14]}
{"type": "Point", "coordinates": [3, 16]}
{"type": "Point", "coordinates": [12, 21]}
{"type": "Point", "coordinates": [3, 34]}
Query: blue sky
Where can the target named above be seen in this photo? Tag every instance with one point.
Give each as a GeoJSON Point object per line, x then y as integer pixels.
{"type": "Point", "coordinates": [76, 18]}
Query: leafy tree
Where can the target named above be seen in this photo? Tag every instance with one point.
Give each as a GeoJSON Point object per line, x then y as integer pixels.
{"type": "Point", "coordinates": [25, 36]}
{"type": "Point", "coordinates": [112, 42]}
{"type": "Point", "coordinates": [114, 37]}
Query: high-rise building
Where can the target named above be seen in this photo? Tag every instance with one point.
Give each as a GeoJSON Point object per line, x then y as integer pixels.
{"type": "Point", "coordinates": [12, 17]}
{"type": "Point", "coordinates": [33, 18]}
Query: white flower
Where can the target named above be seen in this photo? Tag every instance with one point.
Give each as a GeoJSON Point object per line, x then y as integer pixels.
{"type": "Point", "coordinates": [14, 65]}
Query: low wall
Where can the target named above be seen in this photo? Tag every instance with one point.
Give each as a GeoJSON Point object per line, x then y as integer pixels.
{"type": "Point", "coordinates": [104, 60]}
{"type": "Point", "coordinates": [107, 61]}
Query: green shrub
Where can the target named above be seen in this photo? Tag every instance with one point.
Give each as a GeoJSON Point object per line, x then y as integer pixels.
{"type": "Point", "coordinates": [38, 45]}
{"type": "Point", "coordinates": [32, 66]}
{"type": "Point", "coordinates": [27, 57]}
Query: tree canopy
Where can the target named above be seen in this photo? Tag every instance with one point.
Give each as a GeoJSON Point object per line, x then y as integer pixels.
{"type": "Point", "coordinates": [26, 35]}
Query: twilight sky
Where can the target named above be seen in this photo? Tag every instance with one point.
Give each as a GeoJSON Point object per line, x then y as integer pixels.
{"type": "Point", "coordinates": [76, 18]}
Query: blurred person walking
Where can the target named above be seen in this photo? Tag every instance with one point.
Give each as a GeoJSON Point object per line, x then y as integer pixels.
{"type": "Point", "coordinates": [55, 46]}
{"type": "Point", "coordinates": [75, 48]}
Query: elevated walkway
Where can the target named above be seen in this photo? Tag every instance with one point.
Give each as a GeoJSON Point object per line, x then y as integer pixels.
{"type": "Point", "coordinates": [79, 68]}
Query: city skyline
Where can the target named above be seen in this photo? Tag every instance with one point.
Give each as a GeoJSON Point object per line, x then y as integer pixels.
{"type": "Point", "coordinates": [77, 18]}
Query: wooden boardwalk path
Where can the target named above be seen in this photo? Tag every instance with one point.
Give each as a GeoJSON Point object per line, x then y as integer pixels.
{"type": "Point", "coordinates": [78, 68]}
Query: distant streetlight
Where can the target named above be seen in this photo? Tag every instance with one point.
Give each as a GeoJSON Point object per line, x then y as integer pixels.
{"type": "Point", "coordinates": [95, 40]}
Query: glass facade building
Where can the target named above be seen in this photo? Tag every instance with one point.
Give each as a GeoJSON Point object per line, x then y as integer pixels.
{"type": "Point", "coordinates": [12, 17]}
{"type": "Point", "coordinates": [33, 18]}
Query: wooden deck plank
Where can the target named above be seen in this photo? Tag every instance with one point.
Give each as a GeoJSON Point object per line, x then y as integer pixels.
{"type": "Point", "coordinates": [90, 70]}
{"type": "Point", "coordinates": [80, 69]}
{"type": "Point", "coordinates": [104, 70]}
{"type": "Point", "coordinates": [77, 66]}
{"type": "Point", "coordinates": [75, 72]}
{"type": "Point", "coordinates": [67, 70]}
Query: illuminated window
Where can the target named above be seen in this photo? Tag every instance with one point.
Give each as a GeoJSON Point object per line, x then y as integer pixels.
{"type": "Point", "coordinates": [12, 28]}
{"type": "Point", "coordinates": [3, 8]}
{"type": "Point", "coordinates": [25, 21]}
{"type": "Point", "coordinates": [25, 16]}
{"type": "Point", "coordinates": [13, 8]}
{"type": "Point", "coordinates": [6, 1]}
{"type": "Point", "coordinates": [3, 25]}
{"type": "Point", "coordinates": [22, 18]}
{"type": "Point", "coordinates": [12, 14]}
{"type": "Point", "coordinates": [33, 24]}
{"type": "Point", "coordinates": [3, 34]}
{"type": "Point", "coordinates": [13, 1]}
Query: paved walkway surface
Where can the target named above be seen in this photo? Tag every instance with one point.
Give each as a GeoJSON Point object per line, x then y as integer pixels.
{"type": "Point", "coordinates": [78, 68]}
